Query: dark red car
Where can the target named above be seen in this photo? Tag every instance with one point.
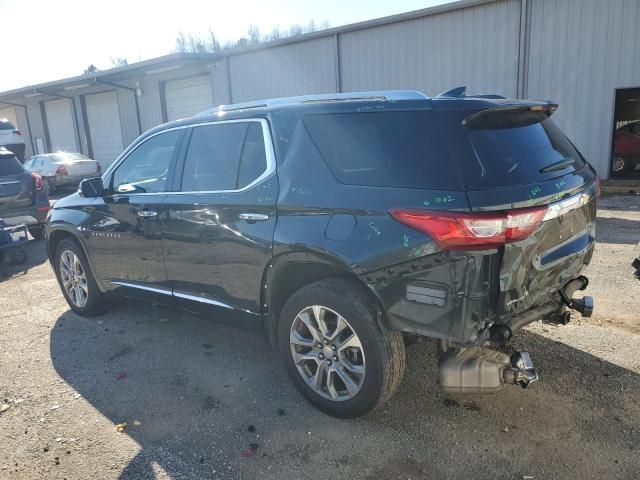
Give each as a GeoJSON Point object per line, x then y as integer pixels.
{"type": "Point", "coordinates": [626, 148]}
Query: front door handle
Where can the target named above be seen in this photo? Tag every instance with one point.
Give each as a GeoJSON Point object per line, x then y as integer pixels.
{"type": "Point", "coordinates": [147, 213]}
{"type": "Point", "coordinates": [253, 217]}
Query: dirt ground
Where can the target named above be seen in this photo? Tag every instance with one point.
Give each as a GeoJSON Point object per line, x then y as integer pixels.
{"type": "Point", "coordinates": [202, 400]}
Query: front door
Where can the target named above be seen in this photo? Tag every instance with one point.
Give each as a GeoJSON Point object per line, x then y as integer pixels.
{"type": "Point", "coordinates": [221, 218]}
{"type": "Point", "coordinates": [124, 228]}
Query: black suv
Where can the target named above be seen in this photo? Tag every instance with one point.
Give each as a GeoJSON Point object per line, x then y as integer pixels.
{"type": "Point", "coordinates": [23, 199]}
{"type": "Point", "coordinates": [339, 224]}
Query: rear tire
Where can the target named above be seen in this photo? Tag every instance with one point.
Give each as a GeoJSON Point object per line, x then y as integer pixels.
{"type": "Point", "coordinates": [78, 285]}
{"type": "Point", "coordinates": [356, 349]}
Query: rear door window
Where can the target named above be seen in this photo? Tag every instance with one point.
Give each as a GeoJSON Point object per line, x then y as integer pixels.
{"type": "Point", "coordinates": [10, 165]}
{"type": "Point", "coordinates": [224, 156]}
{"type": "Point", "coordinates": [385, 149]}
{"type": "Point", "coordinates": [6, 125]}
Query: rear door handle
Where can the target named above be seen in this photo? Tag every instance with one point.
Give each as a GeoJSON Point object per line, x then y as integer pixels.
{"type": "Point", "coordinates": [147, 213]}
{"type": "Point", "coordinates": [253, 217]}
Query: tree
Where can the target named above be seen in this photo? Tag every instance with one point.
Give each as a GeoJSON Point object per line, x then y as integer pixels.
{"type": "Point", "coordinates": [90, 69]}
{"type": "Point", "coordinates": [119, 62]}
{"type": "Point", "coordinates": [196, 43]}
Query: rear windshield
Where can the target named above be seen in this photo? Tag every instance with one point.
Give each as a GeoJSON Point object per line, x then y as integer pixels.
{"type": "Point", "coordinates": [517, 148]}
{"type": "Point", "coordinates": [67, 157]}
{"type": "Point", "coordinates": [6, 125]}
{"type": "Point", "coordinates": [9, 165]}
{"type": "Point", "coordinates": [386, 149]}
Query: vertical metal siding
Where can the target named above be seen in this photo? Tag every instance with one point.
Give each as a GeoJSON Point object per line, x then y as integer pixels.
{"type": "Point", "coordinates": [475, 46]}
{"type": "Point", "coordinates": [293, 69]}
{"type": "Point", "coordinates": [580, 51]}
{"type": "Point", "coordinates": [128, 118]}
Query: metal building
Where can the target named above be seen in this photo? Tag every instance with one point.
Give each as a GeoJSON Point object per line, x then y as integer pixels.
{"type": "Point", "coordinates": [582, 54]}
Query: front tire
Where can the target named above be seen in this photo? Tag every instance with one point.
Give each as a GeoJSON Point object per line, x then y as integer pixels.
{"type": "Point", "coordinates": [334, 350]}
{"type": "Point", "coordinates": [76, 280]}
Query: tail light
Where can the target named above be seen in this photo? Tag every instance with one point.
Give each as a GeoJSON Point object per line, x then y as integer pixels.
{"type": "Point", "coordinates": [98, 168]}
{"type": "Point", "coordinates": [472, 231]}
{"type": "Point", "coordinates": [17, 132]}
{"type": "Point", "coordinates": [37, 180]}
{"type": "Point", "coordinates": [61, 170]}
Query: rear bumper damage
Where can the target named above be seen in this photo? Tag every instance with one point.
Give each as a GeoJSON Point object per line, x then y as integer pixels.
{"type": "Point", "coordinates": [478, 369]}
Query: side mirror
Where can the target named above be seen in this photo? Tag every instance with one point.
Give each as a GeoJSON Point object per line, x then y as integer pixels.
{"type": "Point", "coordinates": [91, 187]}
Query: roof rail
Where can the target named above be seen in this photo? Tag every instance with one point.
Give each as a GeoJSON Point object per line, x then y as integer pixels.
{"type": "Point", "coordinates": [373, 96]}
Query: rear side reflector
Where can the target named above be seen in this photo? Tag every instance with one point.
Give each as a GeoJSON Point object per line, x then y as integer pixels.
{"type": "Point", "coordinates": [472, 231]}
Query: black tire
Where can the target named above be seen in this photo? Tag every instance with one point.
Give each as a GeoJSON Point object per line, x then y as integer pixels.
{"type": "Point", "coordinates": [95, 303]}
{"type": "Point", "coordinates": [17, 256]}
{"type": "Point", "coordinates": [384, 350]}
{"type": "Point", "coordinates": [37, 232]}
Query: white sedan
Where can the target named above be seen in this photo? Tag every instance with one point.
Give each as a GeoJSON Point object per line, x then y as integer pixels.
{"type": "Point", "coordinates": [63, 169]}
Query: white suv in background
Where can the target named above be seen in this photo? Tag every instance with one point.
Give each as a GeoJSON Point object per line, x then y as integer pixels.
{"type": "Point", "coordinates": [11, 138]}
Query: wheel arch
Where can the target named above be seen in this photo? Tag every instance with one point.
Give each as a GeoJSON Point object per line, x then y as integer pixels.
{"type": "Point", "coordinates": [59, 233]}
{"type": "Point", "coordinates": [288, 273]}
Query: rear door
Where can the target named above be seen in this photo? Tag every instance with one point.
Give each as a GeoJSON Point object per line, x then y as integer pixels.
{"type": "Point", "coordinates": [518, 158]}
{"type": "Point", "coordinates": [218, 229]}
{"type": "Point", "coordinates": [17, 188]}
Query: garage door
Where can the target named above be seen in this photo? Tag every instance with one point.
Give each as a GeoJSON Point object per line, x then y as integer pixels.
{"type": "Point", "coordinates": [62, 132]}
{"type": "Point", "coordinates": [188, 96]}
{"type": "Point", "coordinates": [9, 114]}
{"type": "Point", "coordinates": [103, 117]}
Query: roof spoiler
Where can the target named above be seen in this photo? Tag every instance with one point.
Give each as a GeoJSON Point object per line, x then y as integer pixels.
{"type": "Point", "coordinates": [508, 116]}
{"type": "Point", "coordinates": [460, 92]}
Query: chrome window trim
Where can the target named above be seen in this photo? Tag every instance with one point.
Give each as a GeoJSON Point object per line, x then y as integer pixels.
{"type": "Point", "coordinates": [268, 148]}
{"type": "Point", "coordinates": [559, 208]}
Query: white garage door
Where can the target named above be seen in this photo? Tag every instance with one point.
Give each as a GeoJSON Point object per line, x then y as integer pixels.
{"type": "Point", "coordinates": [9, 114]}
{"type": "Point", "coordinates": [62, 132]}
{"type": "Point", "coordinates": [188, 96]}
{"type": "Point", "coordinates": [103, 117]}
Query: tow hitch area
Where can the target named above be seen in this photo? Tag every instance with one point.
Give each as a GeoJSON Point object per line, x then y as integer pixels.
{"type": "Point", "coordinates": [583, 305]}
{"type": "Point", "coordinates": [482, 370]}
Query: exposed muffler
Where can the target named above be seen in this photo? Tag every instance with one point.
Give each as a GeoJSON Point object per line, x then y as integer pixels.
{"type": "Point", "coordinates": [482, 370]}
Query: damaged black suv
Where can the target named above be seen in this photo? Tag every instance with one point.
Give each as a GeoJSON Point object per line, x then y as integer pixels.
{"type": "Point", "coordinates": [339, 224]}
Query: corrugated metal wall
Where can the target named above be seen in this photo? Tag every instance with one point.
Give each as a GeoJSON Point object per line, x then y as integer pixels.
{"type": "Point", "coordinates": [475, 46]}
{"type": "Point", "coordinates": [579, 52]}
{"type": "Point", "coordinates": [293, 69]}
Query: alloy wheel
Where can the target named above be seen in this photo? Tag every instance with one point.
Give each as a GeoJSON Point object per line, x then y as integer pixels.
{"type": "Point", "coordinates": [617, 165]}
{"type": "Point", "coordinates": [327, 353]}
{"type": "Point", "coordinates": [74, 279]}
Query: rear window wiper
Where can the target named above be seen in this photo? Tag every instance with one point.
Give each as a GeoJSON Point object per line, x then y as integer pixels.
{"type": "Point", "coordinates": [565, 162]}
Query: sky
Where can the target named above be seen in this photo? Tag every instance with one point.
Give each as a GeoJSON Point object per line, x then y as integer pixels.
{"type": "Point", "coordinates": [46, 40]}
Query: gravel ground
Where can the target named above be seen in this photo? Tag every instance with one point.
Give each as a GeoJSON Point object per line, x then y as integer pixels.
{"type": "Point", "coordinates": [202, 400]}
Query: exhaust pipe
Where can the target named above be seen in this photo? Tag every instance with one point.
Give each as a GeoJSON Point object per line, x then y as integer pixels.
{"type": "Point", "coordinates": [481, 370]}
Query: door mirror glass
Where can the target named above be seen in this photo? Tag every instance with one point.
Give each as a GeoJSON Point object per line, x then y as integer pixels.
{"type": "Point", "coordinates": [91, 187]}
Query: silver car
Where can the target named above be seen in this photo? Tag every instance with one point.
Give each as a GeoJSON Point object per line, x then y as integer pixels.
{"type": "Point", "coordinates": [63, 169]}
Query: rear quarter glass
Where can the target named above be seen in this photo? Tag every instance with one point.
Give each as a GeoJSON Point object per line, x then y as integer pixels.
{"type": "Point", "coordinates": [402, 149]}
